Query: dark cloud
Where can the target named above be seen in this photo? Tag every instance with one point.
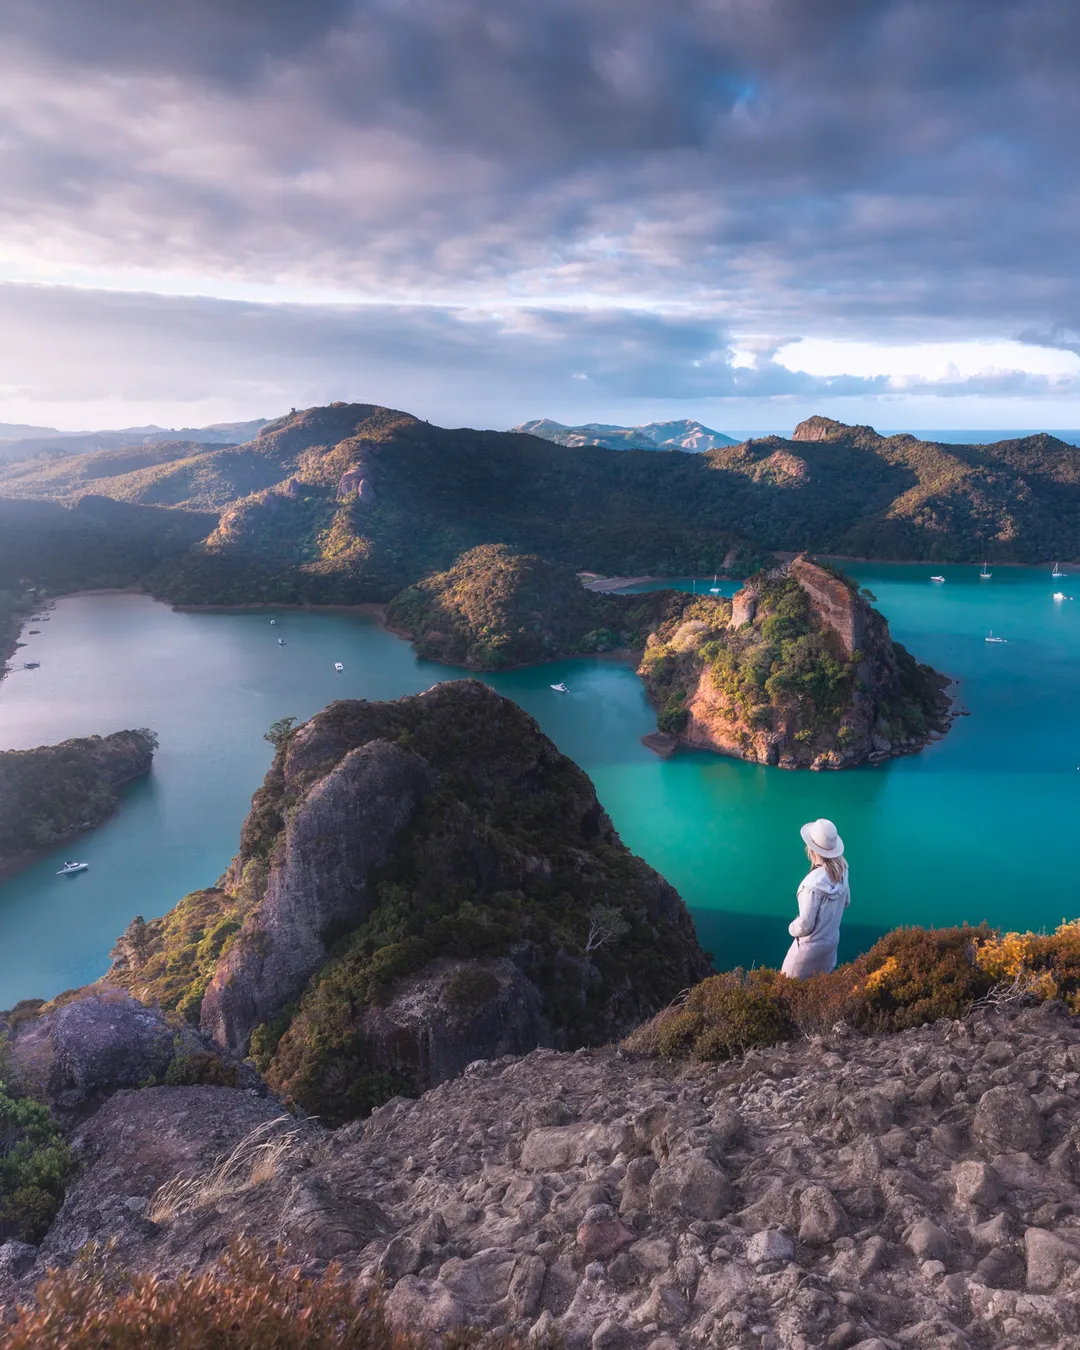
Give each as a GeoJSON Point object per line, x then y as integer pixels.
{"type": "Point", "coordinates": [899, 169]}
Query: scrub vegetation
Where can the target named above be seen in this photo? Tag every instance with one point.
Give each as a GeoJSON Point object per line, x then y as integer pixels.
{"type": "Point", "coordinates": [249, 1300]}
{"type": "Point", "coordinates": [36, 1164]}
{"type": "Point", "coordinates": [910, 977]}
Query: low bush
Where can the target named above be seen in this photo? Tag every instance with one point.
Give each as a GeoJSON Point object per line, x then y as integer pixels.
{"type": "Point", "coordinates": [246, 1302]}
{"type": "Point", "coordinates": [910, 977]}
{"type": "Point", "coordinates": [35, 1165]}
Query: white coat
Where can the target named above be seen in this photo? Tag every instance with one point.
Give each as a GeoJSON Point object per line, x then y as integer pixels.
{"type": "Point", "coordinates": [817, 929]}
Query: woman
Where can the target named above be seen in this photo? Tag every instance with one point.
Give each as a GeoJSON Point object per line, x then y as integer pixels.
{"type": "Point", "coordinates": [823, 897]}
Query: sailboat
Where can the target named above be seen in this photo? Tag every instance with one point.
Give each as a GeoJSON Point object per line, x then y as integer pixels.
{"type": "Point", "coordinates": [984, 575]}
{"type": "Point", "coordinates": [1057, 572]}
{"type": "Point", "coordinates": [714, 589]}
{"type": "Point", "coordinates": [991, 638]}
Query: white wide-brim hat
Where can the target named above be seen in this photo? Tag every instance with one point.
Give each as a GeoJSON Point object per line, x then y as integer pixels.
{"type": "Point", "coordinates": [821, 836]}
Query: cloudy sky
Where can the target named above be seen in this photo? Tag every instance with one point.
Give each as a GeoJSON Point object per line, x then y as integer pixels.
{"type": "Point", "coordinates": [489, 210]}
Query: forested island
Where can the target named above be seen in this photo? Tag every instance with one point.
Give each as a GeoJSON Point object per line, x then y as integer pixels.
{"type": "Point", "coordinates": [53, 791]}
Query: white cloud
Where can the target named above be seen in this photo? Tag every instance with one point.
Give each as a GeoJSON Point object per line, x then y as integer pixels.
{"type": "Point", "coordinates": [924, 364]}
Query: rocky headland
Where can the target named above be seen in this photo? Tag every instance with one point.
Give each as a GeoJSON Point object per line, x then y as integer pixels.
{"type": "Point", "coordinates": [798, 670]}
{"type": "Point", "coordinates": [879, 1192]}
{"type": "Point", "coordinates": [53, 791]}
{"type": "Point", "coordinates": [419, 884]}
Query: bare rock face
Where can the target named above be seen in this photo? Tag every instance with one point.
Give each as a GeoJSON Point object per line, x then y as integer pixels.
{"type": "Point", "coordinates": [625, 1204]}
{"type": "Point", "coordinates": [318, 887]}
{"type": "Point", "coordinates": [102, 1040]}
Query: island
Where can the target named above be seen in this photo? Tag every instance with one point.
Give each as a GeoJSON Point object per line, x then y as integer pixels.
{"type": "Point", "coordinates": [798, 670]}
{"type": "Point", "coordinates": [54, 791]}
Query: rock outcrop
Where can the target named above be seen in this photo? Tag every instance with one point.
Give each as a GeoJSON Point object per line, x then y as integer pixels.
{"type": "Point", "coordinates": [419, 884]}
{"type": "Point", "coordinates": [340, 831]}
{"type": "Point", "coordinates": [75, 1053]}
{"type": "Point", "coordinates": [797, 670]}
{"type": "Point", "coordinates": [918, 1190]}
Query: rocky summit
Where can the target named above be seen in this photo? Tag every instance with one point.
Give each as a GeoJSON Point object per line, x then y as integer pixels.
{"type": "Point", "coordinates": [909, 1190]}
{"type": "Point", "coordinates": [419, 884]}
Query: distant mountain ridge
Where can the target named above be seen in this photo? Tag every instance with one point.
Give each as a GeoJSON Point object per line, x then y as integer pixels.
{"type": "Point", "coordinates": [25, 442]}
{"type": "Point", "coordinates": [692, 437]}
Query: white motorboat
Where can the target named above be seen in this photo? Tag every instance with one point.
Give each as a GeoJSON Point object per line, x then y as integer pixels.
{"type": "Point", "coordinates": [984, 575]}
{"type": "Point", "coordinates": [70, 868]}
{"type": "Point", "coordinates": [937, 578]}
{"type": "Point", "coordinates": [560, 688]}
{"type": "Point", "coordinates": [281, 642]}
{"type": "Point", "coordinates": [991, 638]}
{"type": "Point", "coordinates": [1057, 572]}
{"type": "Point", "coordinates": [338, 665]}
{"type": "Point", "coordinates": [273, 622]}
{"type": "Point", "coordinates": [1059, 595]}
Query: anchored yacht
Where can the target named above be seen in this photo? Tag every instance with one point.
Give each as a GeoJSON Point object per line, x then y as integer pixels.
{"type": "Point", "coordinates": [70, 868]}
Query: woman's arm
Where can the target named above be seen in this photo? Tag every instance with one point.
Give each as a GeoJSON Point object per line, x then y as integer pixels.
{"type": "Point", "coordinates": [805, 924]}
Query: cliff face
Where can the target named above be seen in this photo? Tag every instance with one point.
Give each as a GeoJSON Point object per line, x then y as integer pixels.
{"type": "Point", "coordinates": [52, 791]}
{"type": "Point", "coordinates": [798, 670]}
{"type": "Point", "coordinates": [419, 883]}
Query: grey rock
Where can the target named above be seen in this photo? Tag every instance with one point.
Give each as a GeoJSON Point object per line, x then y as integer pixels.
{"type": "Point", "coordinates": [427, 1307]}
{"type": "Point", "coordinates": [665, 1307]}
{"type": "Point", "coordinates": [479, 1280]}
{"type": "Point", "coordinates": [609, 1335]}
{"type": "Point", "coordinates": [318, 1220]}
{"type": "Point", "coordinates": [977, 1183]}
{"type": "Point", "coordinates": [635, 1186]}
{"type": "Point", "coordinates": [106, 1040]}
{"type": "Point", "coordinates": [821, 1219]}
{"type": "Point", "coordinates": [16, 1258]}
{"type": "Point", "coordinates": [692, 1185]}
{"type": "Point", "coordinates": [1007, 1120]}
{"type": "Point", "coordinates": [555, 1147]}
{"type": "Point", "coordinates": [1048, 1257]}
{"type": "Point", "coordinates": [769, 1245]}
{"type": "Point", "coordinates": [927, 1242]}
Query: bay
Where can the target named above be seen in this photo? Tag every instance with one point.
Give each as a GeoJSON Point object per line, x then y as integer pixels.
{"type": "Point", "coordinates": [977, 826]}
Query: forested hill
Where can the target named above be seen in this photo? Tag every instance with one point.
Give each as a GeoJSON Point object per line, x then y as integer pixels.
{"type": "Point", "coordinates": [353, 502]}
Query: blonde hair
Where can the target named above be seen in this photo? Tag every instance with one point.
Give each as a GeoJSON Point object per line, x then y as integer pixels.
{"type": "Point", "coordinates": [835, 867]}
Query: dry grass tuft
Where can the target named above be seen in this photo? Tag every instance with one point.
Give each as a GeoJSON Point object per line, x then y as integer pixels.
{"type": "Point", "coordinates": [248, 1301]}
{"type": "Point", "coordinates": [255, 1159]}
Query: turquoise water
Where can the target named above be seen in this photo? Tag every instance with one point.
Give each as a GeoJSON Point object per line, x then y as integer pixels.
{"type": "Point", "coordinates": [978, 826]}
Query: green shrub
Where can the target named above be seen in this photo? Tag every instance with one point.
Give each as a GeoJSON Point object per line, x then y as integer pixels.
{"type": "Point", "coordinates": [469, 988]}
{"type": "Point", "coordinates": [36, 1163]}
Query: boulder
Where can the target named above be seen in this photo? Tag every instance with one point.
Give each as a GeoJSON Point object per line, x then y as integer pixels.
{"type": "Point", "coordinates": [426, 1307]}
{"type": "Point", "coordinates": [769, 1245]}
{"type": "Point", "coordinates": [1007, 1120]}
{"type": "Point", "coordinates": [1048, 1257]}
{"type": "Point", "coordinates": [821, 1219]}
{"type": "Point", "coordinates": [690, 1184]}
{"type": "Point", "coordinates": [555, 1147]}
{"type": "Point", "coordinates": [927, 1242]}
{"type": "Point", "coordinates": [977, 1183]}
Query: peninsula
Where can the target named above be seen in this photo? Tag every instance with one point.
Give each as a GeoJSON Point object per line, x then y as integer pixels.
{"type": "Point", "coordinates": [53, 791]}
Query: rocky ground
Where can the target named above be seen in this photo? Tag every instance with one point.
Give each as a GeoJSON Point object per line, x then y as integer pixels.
{"type": "Point", "coordinates": [918, 1189]}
